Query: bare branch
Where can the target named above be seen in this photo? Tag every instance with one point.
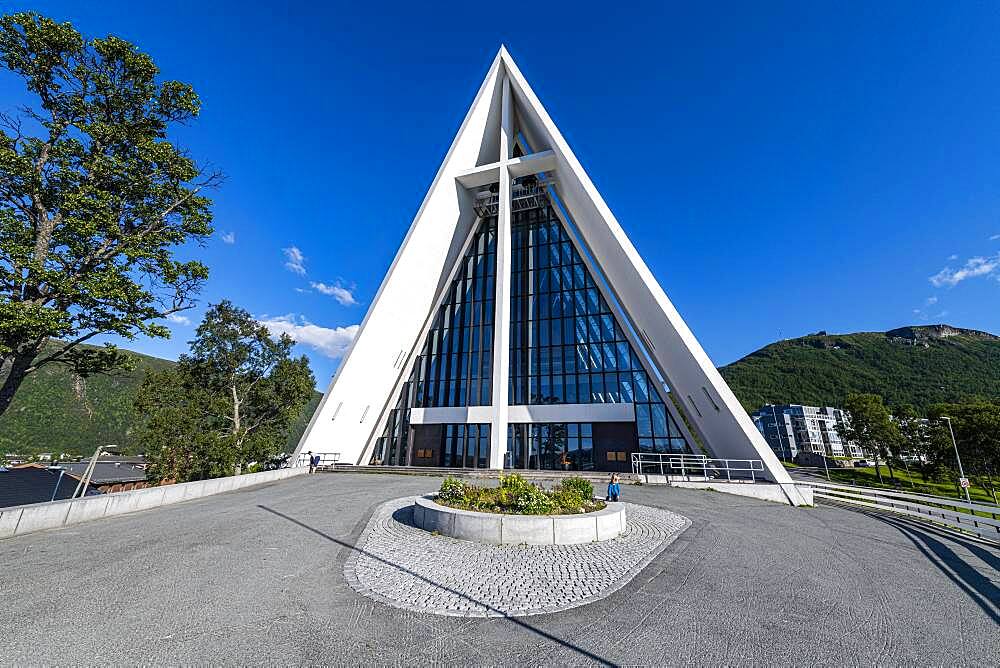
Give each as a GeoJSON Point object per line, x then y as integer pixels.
{"type": "Point", "coordinates": [212, 181]}
{"type": "Point", "coordinates": [58, 354]}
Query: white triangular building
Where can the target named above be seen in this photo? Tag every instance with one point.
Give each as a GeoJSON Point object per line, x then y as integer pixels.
{"type": "Point", "coordinates": [519, 328]}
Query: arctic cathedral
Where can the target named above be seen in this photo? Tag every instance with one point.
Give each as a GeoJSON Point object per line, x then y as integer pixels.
{"type": "Point", "coordinates": [567, 355]}
{"type": "Point", "coordinates": [518, 327]}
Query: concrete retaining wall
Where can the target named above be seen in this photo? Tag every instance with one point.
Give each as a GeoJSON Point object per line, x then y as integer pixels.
{"type": "Point", "coordinates": [803, 496]}
{"type": "Point", "coordinates": [520, 529]}
{"type": "Point", "coordinates": [19, 520]}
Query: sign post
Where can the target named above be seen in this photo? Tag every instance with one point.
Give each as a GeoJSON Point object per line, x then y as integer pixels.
{"type": "Point", "coordinates": [963, 481]}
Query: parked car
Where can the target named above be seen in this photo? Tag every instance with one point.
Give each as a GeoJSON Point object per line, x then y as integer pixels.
{"type": "Point", "coordinates": [863, 463]}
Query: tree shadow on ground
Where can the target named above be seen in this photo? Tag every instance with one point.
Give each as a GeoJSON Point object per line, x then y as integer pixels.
{"type": "Point", "coordinates": [966, 577]}
{"type": "Point", "coordinates": [495, 612]}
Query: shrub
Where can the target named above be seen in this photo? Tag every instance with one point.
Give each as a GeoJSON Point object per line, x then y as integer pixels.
{"type": "Point", "coordinates": [579, 485]}
{"type": "Point", "coordinates": [452, 490]}
{"type": "Point", "coordinates": [481, 498]}
{"type": "Point", "coordinates": [514, 494]}
{"type": "Point", "coordinates": [568, 500]}
{"type": "Point", "coordinates": [514, 483]}
{"type": "Point", "coordinates": [533, 501]}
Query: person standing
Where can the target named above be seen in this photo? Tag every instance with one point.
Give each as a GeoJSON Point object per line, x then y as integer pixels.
{"type": "Point", "coordinates": [313, 462]}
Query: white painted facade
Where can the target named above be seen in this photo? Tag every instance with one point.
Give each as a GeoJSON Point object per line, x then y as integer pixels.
{"type": "Point", "coordinates": [353, 411]}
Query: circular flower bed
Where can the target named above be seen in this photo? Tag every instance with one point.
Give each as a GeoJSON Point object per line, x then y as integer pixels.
{"type": "Point", "coordinates": [516, 496]}
{"type": "Point", "coordinates": [509, 528]}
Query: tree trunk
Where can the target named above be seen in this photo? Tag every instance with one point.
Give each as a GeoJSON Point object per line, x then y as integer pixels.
{"type": "Point", "coordinates": [878, 468]}
{"type": "Point", "coordinates": [236, 429]}
{"type": "Point", "coordinates": [18, 371]}
{"type": "Point", "coordinates": [892, 477]}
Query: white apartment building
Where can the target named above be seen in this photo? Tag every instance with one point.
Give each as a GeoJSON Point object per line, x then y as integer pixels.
{"type": "Point", "coordinates": [793, 428]}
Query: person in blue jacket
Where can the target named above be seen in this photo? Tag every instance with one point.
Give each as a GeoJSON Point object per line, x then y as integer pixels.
{"type": "Point", "coordinates": [614, 488]}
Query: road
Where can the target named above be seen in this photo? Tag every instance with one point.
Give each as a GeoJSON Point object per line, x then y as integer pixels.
{"type": "Point", "coordinates": [257, 576]}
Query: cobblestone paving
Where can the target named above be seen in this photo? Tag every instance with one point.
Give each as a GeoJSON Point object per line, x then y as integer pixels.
{"type": "Point", "coordinates": [407, 567]}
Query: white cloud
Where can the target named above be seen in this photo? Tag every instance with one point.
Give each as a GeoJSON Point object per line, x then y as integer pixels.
{"type": "Point", "coordinates": [952, 258]}
{"type": "Point", "coordinates": [974, 266]}
{"type": "Point", "coordinates": [332, 343]}
{"type": "Point", "coordinates": [294, 260]}
{"type": "Point", "coordinates": [921, 313]}
{"type": "Point", "coordinates": [343, 295]}
{"type": "Point", "coordinates": [179, 319]}
{"type": "Point", "coordinates": [995, 237]}
{"type": "Point", "coordinates": [229, 238]}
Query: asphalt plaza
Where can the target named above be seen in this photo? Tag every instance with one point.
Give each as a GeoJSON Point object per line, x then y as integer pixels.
{"type": "Point", "coordinates": [256, 576]}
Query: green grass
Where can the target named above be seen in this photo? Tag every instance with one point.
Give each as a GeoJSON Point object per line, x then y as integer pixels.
{"type": "Point", "coordinates": [914, 482]}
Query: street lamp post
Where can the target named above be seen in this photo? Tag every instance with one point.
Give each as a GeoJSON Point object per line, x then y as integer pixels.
{"type": "Point", "coordinates": [958, 458]}
{"type": "Point", "coordinates": [907, 465]}
{"type": "Point", "coordinates": [826, 465]}
{"type": "Point", "coordinates": [89, 471]}
{"type": "Point", "coordinates": [62, 472]}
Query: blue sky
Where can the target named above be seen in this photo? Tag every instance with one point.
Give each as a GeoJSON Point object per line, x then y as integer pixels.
{"type": "Point", "coordinates": [783, 167]}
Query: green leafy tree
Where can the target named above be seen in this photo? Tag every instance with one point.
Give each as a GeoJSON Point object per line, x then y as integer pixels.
{"type": "Point", "coordinates": [871, 427]}
{"type": "Point", "coordinates": [94, 200]}
{"type": "Point", "coordinates": [179, 441]}
{"type": "Point", "coordinates": [915, 433]}
{"type": "Point", "coordinates": [940, 457]}
{"type": "Point", "coordinates": [977, 435]}
{"type": "Point", "coordinates": [227, 404]}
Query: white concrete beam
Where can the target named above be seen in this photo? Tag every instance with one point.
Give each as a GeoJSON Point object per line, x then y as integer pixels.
{"type": "Point", "coordinates": [484, 175]}
{"type": "Point", "coordinates": [531, 414]}
{"type": "Point", "coordinates": [542, 413]}
{"type": "Point", "coordinates": [501, 318]}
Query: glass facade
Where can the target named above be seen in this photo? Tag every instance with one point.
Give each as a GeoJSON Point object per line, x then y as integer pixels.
{"type": "Point", "coordinates": [465, 446]}
{"type": "Point", "coordinates": [566, 347]}
{"type": "Point", "coordinates": [455, 365]}
{"type": "Point", "coordinates": [568, 447]}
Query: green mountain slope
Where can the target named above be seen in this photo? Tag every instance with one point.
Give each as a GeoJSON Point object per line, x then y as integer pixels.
{"type": "Point", "coordinates": [910, 365]}
{"type": "Point", "coordinates": [54, 411]}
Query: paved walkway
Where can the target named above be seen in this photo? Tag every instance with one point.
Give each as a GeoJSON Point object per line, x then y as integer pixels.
{"type": "Point", "coordinates": [257, 576]}
{"type": "Point", "coordinates": [406, 567]}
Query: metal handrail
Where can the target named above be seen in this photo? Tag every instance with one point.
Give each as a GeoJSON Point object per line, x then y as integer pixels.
{"type": "Point", "coordinates": [980, 506]}
{"type": "Point", "coordinates": [952, 513]}
{"type": "Point", "coordinates": [690, 464]}
{"type": "Point", "coordinates": [486, 203]}
{"type": "Point", "coordinates": [522, 197]}
{"type": "Point", "coordinates": [325, 458]}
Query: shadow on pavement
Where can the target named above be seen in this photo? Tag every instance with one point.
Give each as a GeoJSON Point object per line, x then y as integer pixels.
{"type": "Point", "coordinates": [498, 613]}
{"type": "Point", "coordinates": [966, 577]}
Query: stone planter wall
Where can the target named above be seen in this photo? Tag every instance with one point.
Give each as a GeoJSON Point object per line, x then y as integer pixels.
{"type": "Point", "coordinates": [501, 529]}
